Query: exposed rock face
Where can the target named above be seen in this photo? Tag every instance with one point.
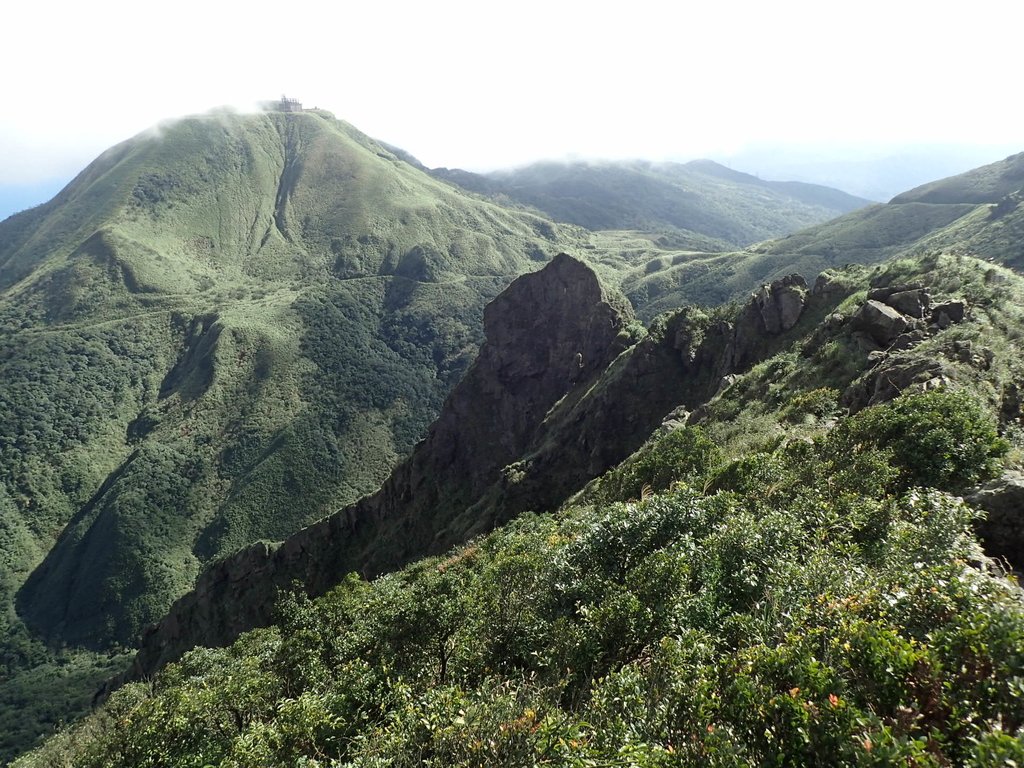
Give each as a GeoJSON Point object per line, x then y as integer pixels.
{"type": "Point", "coordinates": [913, 303]}
{"type": "Point", "coordinates": [1002, 532]}
{"type": "Point", "coordinates": [893, 321]}
{"type": "Point", "coordinates": [891, 376]}
{"type": "Point", "coordinates": [911, 300]}
{"type": "Point", "coordinates": [947, 313]}
{"type": "Point", "coordinates": [880, 322]}
{"type": "Point", "coordinates": [772, 310]}
{"type": "Point", "coordinates": [678, 367]}
{"type": "Point", "coordinates": [554, 398]}
{"type": "Point", "coordinates": [781, 303]}
{"type": "Point", "coordinates": [547, 334]}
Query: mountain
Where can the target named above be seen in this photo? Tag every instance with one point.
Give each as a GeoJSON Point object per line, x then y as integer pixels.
{"type": "Point", "coordinates": [527, 425]}
{"type": "Point", "coordinates": [988, 184]}
{"type": "Point", "coordinates": [457, 484]}
{"type": "Point", "coordinates": [708, 205]}
{"type": "Point", "coordinates": [975, 214]}
{"type": "Point", "coordinates": [223, 330]}
{"type": "Point", "coordinates": [220, 331]}
{"type": "Point", "coordinates": [749, 544]}
{"type": "Point", "coordinates": [236, 325]}
{"type": "Point", "coordinates": [252, 318]}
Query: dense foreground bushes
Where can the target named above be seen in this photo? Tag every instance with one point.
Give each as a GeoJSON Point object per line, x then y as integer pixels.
{"type": "Point", "coordinates": [783, 609]}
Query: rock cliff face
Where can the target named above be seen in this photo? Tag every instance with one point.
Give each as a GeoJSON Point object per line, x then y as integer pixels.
{"type": "Point", "coordinates": [556, 396]}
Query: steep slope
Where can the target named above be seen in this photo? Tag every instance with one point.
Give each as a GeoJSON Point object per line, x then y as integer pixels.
{"type": "Point", "coordinates": [794, 581]}
{"type": "Point", "coordinates": [229, 329]}
{"type": "Point", "coordinates": [218, 332]}
{"type": "Point", "coordinates": [548, 334]}
{"type": "Point", "coordinates": [918, 325]}
{"type": "Point", "coordinates": [557, 395]}
{"type": "Point", "coordinates": [711, 206]}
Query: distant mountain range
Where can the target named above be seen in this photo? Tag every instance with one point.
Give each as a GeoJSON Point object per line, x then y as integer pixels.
{"type": "Point", "coordinates": [878, 173]}
{"type": "Point", "coordinates": [702, 202]}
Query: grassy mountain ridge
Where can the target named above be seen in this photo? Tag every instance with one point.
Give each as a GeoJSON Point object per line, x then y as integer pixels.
{"type": "Point", "coordinates": [699, 200]}
{"type": "Point", "coordinates": [226, 329]}
{"type": "Point", "coordinates": [987, 184]}
{"type": "Point", "coordinates": [221, 330]}
{"type": "Point", "coordinates": [218, 332]}
{"type": "Point", "coordinates": [986, 221]}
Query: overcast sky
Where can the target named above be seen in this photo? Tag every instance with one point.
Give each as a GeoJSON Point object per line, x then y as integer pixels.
{"type": "Point", "coordinates": [481, 85]}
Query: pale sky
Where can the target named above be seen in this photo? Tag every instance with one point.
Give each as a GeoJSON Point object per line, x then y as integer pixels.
{"type": "Point", "coordinates": [482, 85]}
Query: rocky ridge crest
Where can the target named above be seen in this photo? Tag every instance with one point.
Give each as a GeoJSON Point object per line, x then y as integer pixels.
{"type": "Point", "coordinates": [559, 393]}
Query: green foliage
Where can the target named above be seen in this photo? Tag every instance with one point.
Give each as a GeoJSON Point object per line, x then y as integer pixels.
{"type": "Point", "coordinates": [51, 690]}
{"type": "Point", "coordinates": [939, 438]}
{"type": "Point", "coordinates": [813, 406]}
{"type": "Point", "coordinates": [683, 455]}
{"type": "Point", "coordinates": [217, 334]}
{"type": "Point", "coordinates": [225, 333]}
{"type": "Point", "coordinates": [792, 614]}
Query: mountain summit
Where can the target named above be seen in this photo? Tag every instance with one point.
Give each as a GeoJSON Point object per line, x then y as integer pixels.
{"type": "Point", "coordinates": [221, 331]}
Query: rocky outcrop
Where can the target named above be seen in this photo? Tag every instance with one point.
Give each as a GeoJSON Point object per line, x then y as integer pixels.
{"type": "Point", "coordinates": [550, 333]}
{"type": "Point", "coordinates": [556, 397]}
{"type": "Point", "coordinates": [1002, 530]}
{"type": "Point", "coordinates": [910, 300]}
{"type": "Point", "coordinates": [680, 365]}
{"type": "Point", "coordinates": [781, 303]}
{"type": "Point", "coordinates": [949, 312]}
{"type": "Point", "coordinates": [772, 310]}
{"type": "Point", "coordinates": [893, 375]}
{"type": "Point", "coordinates": [881, 323]}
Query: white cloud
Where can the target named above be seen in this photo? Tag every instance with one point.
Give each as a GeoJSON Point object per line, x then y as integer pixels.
{"type": "Point", "coordinates": [482, 85]}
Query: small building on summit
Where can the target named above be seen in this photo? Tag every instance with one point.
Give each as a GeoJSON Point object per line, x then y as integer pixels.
{"type": "Point", "coordinates": [286, 105]}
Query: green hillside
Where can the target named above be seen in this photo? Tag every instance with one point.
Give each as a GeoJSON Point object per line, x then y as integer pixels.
{"type": "Point", "coordinates": [987, 184]}
{"type": "Point", "coordinates": [787, 576]}
{"type": "Point", "coordinates": [975, 214]}
{"type": "Point", "coordinates": [232, 326]}
{"type": "Point", "coordinates": [710, 206]}
{"type": "Point", "coordinates": [220, 331]}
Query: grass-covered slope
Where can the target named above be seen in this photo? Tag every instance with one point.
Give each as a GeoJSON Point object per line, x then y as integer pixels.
{"type": "Point", "coordinates": [259, 314]}
{"type": "Point", "coordinates": [220, 331]}
{"type": "Point", "coordinates": [976, 214]}
{"type": "Point", "coordinates": [780, 582]}
{"type": "Point", "coordinates": [713, 207]}
{"type": "Point", "coordinates": [987, 184]}
{"type": "Point", "coordinates": [227, 328]}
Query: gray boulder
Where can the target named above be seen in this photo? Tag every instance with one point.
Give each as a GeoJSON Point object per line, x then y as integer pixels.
{"type": "Point", "coordinates": [914, 303]}
{"type": "Point", "coordinates": [948, 313]}
{"type": "Point", "coordinates": [781, 303]}
{"type": "Point", "coordinates": [1002, 532]}
{"type": "Point", "coordinates": [880, 321]}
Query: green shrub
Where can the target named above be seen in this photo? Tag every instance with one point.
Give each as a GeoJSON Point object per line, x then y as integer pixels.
{"type": "Point", "coordinates": [812, 406]}
{"type": "Point", "coordinates": [685, 455]}
{"type": "Point", "coordinates": [941, 438]}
